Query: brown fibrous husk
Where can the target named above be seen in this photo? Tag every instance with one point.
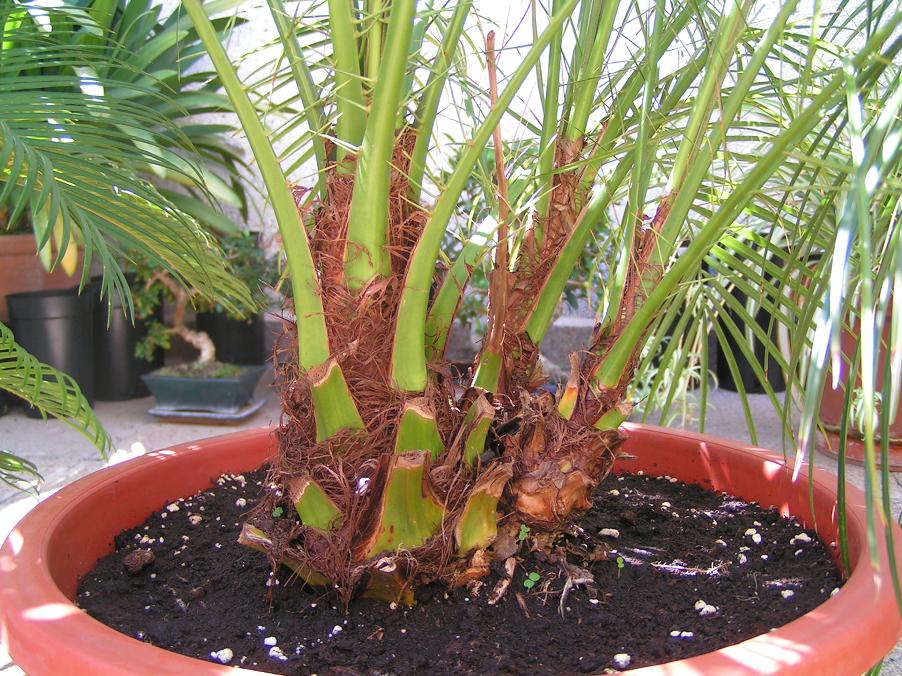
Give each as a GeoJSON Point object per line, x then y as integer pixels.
{"type": "Point", "coordinates": [351, 467]}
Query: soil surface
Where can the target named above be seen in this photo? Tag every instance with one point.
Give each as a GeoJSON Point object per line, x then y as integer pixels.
{"type": "Point", "coordinates": [206, 369]}
{"type": "Point", "coordinates": [657, 571]}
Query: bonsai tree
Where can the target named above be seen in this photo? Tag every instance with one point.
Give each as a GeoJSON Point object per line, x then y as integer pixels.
{"type": "Point", "coordinates": [386, 475]}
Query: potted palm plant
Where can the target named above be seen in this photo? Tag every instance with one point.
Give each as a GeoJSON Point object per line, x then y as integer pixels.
{"type": "Point", "coordinates": [384, 479]}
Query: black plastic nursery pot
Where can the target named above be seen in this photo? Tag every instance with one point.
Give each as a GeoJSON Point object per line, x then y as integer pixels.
{"type": "Point", "coordinates": [117, 371]}
{"type": "Point", "coordinates": [744, 368]}
{"type": "Point", "coordinates": [57, 328]}
{"type": "Point", "coordinates": [216, 395]}
{"type": "Point", "coordinates": [237, 341]}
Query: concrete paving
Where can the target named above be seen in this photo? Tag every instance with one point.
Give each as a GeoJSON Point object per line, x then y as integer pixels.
{"type": "Point", "coordinates": [63, 455]}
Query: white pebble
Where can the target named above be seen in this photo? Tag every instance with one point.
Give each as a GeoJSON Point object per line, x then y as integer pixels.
{"type": "Point", "coordinates": [757, 523]}
{"type": "Point", "coordinates": [720, 542]}
{"type": "Point", "coordinates": [336, 630]}
{"type": "Point", "coordinates": [786, 593]}
{"type": "Point", "coordinates": [764, 556]}
{"type": "Point", "coordinates": [609, 533]}
{"type": "Point", "coordinates": [798, 551]}
{"type": "Point", "coordinates": [174, 507]}
{"type": "Point", "coordinates": [707, 610]}
{"type": "Point", "coordinates": [217, 545]}
{"type": "Point", "coordinates": [594, 602]}
{"type": "Point", "coordinates": [223, 656]}
{"type": "Point", "coordinates": [270, 641]}
{"type": "Point", "coordinates": [622, 660]}
{"type": "Point", "coordinates": [276, 653]}
{"type": "Point", "coordinates": [835, 592]}
{"type": "Point", "coordinates": [673, 479]}
{"type": "Point", "coordinates": [742, 558]}
{"type": "Point", "coordinates": [614, 492]}
{"type": "Point", "coordinates": [240, 502]}
{"type": "Point", "coordinates": [665, 504]}
{"type": "Point", "coordinates": [686, 634]}
{"type": "Point", "coordinates": [750, 531]}
{"type": "Point", "coordinates": [700, 604]}
{"type": "Point", "coordinates": [756, 538]}
{"type": "Point", "coordinates": [675, 633]}
{"type": "Point", "coordinates": [801, 537]}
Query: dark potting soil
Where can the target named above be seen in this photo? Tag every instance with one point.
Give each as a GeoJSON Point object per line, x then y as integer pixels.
{"type": "Point", "coordinates": [205, 370]}
{"type": "Point", "coordinates": [678, 571]}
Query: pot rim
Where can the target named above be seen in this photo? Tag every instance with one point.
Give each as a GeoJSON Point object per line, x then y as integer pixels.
{"type": "Point", "coordinates": [36, 615]}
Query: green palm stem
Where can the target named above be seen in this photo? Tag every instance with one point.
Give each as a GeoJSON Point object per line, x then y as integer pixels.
{"type": "Point", "coordinates": [409, 352]}
{"type": "Point", "coordinates": [585, 29]}
{"type": "Point", "coordinates": [615, 122]}
{"type": "Point", "coordinates": [365, 253]}
{"type": "Point", "coordinates": [334, 406]}
{"type": "Point", "coordinates": [313, 506]}
{"type": "Point", "coordinates": [408, 512]}
{"type": "Point", "coordinates": [427, 108]}
{"type": "Point", "coordinates": [441, 313]}
{"type": "Point", "coordinates": [641, 175]}
{"type": "Point", "coordinates": [694, 150]}
{"type": "Point", "coordinates": [489, 374]}
{"type": "Point", "coordinates": [310, 98]}
{"type": "Point", "coordinates": [587, 81]}
{"type": "Point", "coordinates": [729, 30]}
{"type": "Point", "coordinates": [611, 371]}
{"type": "Point", "coordinates": [350, 101]}
{"type": "Point", "coordinates": [478, 523]}
{"type": "Point", "coordinates": [550, 124]}
{"type": "Point", "coordinates": [447, 300]}
{"type": "Point", "coordinates": [719, 58]}
{"type": "Point", "coordinates": [542, 313]}
{"type": "Point", "coordinates": [373, 34]}
{"type": "Point", "coordinates": [418, 431]}
{"type": "Point", "coordinates": [540, 316]}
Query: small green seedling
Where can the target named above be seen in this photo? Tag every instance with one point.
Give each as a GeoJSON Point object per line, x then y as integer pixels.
{"type": "Point", "coordinates": [524, 532]}
{"type": "Point", "coordinates": [531, 580]}
{"type": "Point", "coordinates": [278, 512]}
{"type": "Point", "coordinates": [620, 565]}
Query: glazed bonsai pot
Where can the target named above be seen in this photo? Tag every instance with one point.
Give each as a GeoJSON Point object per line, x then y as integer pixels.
{"type": "Point", "coordinates": [215, 395]}
{"type": "Point", "coordinates": [57, 543]}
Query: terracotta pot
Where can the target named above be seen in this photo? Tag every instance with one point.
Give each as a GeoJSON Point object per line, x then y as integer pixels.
{"type": "Point", "coordinates": [833, 401]}
{"type": "Point", "coordinates": [60, 540]}
{"type": "Point", "coordinates": [20, 270]}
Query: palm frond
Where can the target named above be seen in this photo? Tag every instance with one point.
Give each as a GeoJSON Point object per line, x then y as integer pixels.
{"type": "Point", "coordinates": [49, 390]}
